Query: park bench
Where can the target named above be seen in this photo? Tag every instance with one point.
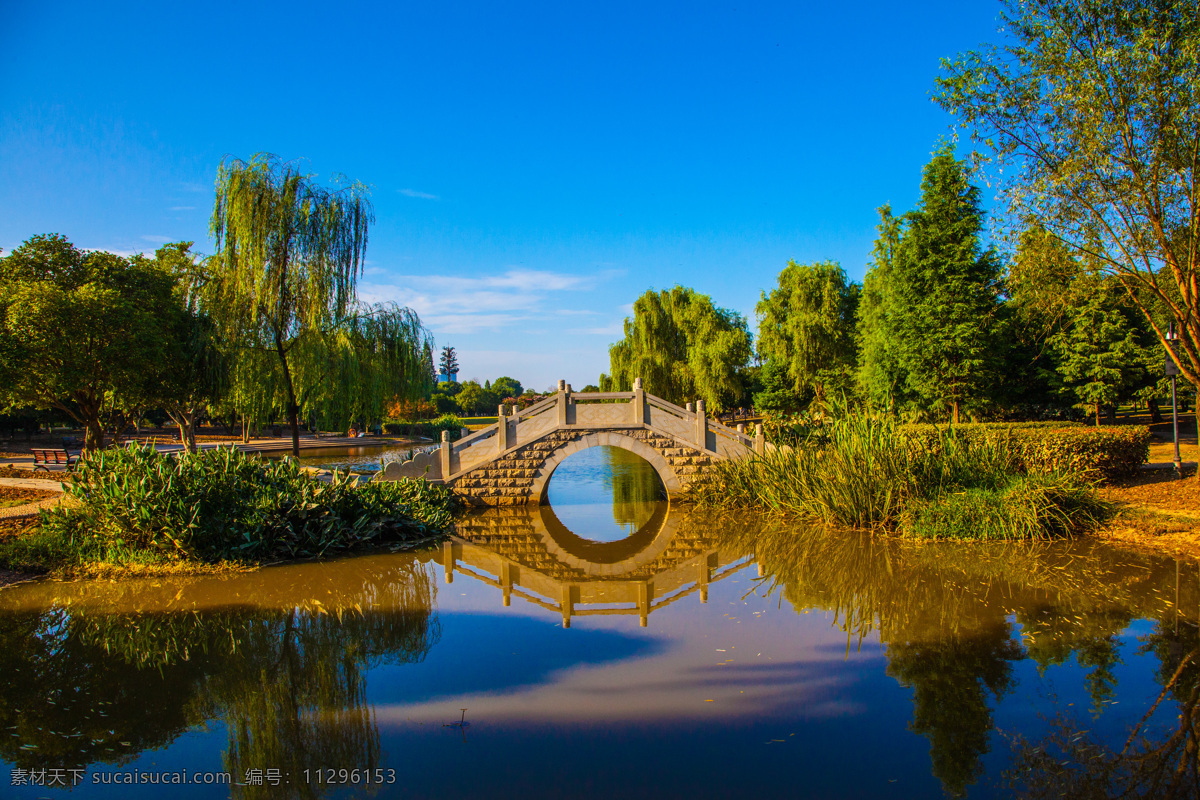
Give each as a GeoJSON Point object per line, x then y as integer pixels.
{"type": "Point", "coordinates": [43, 459]}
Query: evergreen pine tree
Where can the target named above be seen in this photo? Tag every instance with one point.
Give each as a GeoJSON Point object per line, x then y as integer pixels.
{"type": "Point", "coordinates": [1099, 357]}
{"type": "Point", "coordinates": [945, 289]}
{"type": "Point", "coordinates": [880, 375]}
{"type": "Point", "coordinates": [449, 362]}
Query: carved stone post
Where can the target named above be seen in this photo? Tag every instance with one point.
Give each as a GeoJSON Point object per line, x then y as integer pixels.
{"type": "Point", "coordinates": [639, 403]}
{"type": "Point", "coordinates": [760, 441]}
{"type": "Point", "coordinates": [502, 429]}
{"type": "Point", "coordinates": [701, 426]}
{"type": "Point", "coordinates": [562, 403]}
{"type": "Point", "coordinates": [741, 428]}
{"type": "Point", "coordinates": [446, 453]}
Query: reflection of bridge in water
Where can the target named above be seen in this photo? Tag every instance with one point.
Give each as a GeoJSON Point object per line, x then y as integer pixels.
{"type": "Point", "coordinates": [527, 552]}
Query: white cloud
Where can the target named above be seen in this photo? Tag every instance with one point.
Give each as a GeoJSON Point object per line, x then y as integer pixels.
{"type": "Point", "coordinates": [156, 239]}
{"type": "Point", "coordinates": [418, 195]}
{"type": "Point", "coordinates": [455, 304]}
{"type": "Point", "coordinates": [613, 329]}
{"type": "Point", "coordinates": [183, 208]}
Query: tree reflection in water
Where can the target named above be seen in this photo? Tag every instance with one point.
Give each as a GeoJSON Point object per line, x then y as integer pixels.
{"type": "Point", "coordinates": [110, 670]}
{"type": "Point", "coordinates": [1162, 765]}
{"type": "Point", "coordinates": [943, 612]}
{"type": "Point", "coordinates": [636, 488]}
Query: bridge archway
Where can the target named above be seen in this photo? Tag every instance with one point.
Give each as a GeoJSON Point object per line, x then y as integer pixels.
{"type": "Point", "coordinates": [541, 479]}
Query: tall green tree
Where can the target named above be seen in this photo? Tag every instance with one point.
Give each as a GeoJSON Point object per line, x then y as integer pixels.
{"type": "Point", "coordinates": [881, 378]}
{"type": "Point", "coordinates": [807, 326]}
{"type": "Point", "coordinates": [1097, 349]}
{"type": "Point", "coordinates": [291, 254]}
{"type": "Point", "coordinates": [474, 399]}
{"type": "Point", "coordinates": [682, 347]}
{"type": "Point", "coordinates": [1092, 109]}
{"type": "Point", "coordinates": [195, 372]}
{"type": "Point", "coordinates": [945, 287]}
{"type": "Point", "coordinates": [507, 387]}
{"type": "Point", "coordinates": [84, 333]}
{"type": "Point", "coordinates": [449, 363]}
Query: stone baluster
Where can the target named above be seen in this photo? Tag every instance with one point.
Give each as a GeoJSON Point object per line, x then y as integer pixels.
{"type": "Point", "coordinates": [691, 407]}
{"type": "Point", "coordinates": [562, 403]}
{"type": "Point", "coordinates": [502, 428]}
{"type": "Point", "coordinates": [741, 428]}
{"type": "Point", "coordinates": [701, 426]}
{"type": "Point", "coordinates": [760, 440]}
{"type": "Point", "coordinates": [639, 403]}
{"type": "Point", "coordinates": [446, 453]}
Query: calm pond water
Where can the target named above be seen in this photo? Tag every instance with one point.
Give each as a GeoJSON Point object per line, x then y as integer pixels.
{"type": "Point", "coordinates": [366, 459]}
{"type": "Point", "coordinates": [702, 656]}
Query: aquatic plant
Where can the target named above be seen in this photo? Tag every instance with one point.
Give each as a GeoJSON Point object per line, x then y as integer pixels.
{"type": "Point", "coordinates": [864, 471]}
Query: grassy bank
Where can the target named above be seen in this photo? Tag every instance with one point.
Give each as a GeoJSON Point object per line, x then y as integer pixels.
{"type": "Point", "coordinates": [865, 472]}
{"type": "Point", "coordinates": [137, 509]}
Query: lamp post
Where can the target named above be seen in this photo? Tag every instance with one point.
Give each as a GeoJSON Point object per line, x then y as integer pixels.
{"type": "Point", "coordinates": [1172, 370]}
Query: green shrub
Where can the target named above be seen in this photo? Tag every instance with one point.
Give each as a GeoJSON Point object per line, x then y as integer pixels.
{"type": "Point", "coordinates": [430, 429]}
{"type": "Point", "coordinates": [223, 504]}
{"type": "Point", "coordinates": [1029, 507]}
{"type": "Point", "coordinates": [1043, 447]}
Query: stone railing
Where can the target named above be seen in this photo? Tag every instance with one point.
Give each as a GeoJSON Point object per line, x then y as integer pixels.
{"type": "Point", "coordinates": [569, 410]}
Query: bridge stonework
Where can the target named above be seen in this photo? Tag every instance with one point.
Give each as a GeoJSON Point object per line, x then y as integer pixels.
{"type": "Point", "coordinates": [520, 476]}
{"type": "Point", "coordinates": [510, 463]}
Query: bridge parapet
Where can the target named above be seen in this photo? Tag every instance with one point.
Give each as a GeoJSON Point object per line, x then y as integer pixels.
{"type": "Point", "coordinates": [636, 419]}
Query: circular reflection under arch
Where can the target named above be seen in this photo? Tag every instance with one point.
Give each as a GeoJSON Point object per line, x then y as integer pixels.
{"type": "Point", "coordinates": [631, 487]}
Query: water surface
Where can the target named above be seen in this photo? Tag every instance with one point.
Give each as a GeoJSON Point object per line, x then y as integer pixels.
{"type": "Point", "coordinates": [699, 656]}
{"type": "Point", "coordinates": [605, 494]}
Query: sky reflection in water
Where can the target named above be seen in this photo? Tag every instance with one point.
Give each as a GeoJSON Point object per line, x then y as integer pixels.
{"type": "Point", "coordinates": [774, 659]}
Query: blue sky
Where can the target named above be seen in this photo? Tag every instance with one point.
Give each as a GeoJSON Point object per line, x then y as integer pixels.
{"type": "Point", "coordinates": [534, 167]}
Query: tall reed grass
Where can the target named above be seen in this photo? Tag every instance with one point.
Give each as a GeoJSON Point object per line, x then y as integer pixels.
{"type": "Point", "coordinates": [864, 472]}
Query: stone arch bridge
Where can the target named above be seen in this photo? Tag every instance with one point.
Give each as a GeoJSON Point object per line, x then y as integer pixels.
{"type": "Point", "coordinates": [510, 462]}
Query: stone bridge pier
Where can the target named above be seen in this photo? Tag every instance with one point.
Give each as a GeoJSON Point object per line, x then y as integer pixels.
{"type": "Point", "coordinates": [511, 462]}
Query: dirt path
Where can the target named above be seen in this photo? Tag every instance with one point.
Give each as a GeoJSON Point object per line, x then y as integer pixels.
{"type": "Point", "coordinates": [1157, 511]}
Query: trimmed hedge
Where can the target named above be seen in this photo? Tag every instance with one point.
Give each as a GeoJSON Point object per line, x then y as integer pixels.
{"type": "Point", "coordinates": [430, 429]}
{"type": "Point", "coordinates": [1044, 447]}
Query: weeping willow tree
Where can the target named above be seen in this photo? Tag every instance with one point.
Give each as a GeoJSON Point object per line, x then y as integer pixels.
{"type": "Point", "coordinates": [683, 348]}
{"type": "Point", "coordinates": [352, 371]}
{"type": "Point", "coordinates": [807, 327]}
{"type": "Point", "coordinates": [291, 254]}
